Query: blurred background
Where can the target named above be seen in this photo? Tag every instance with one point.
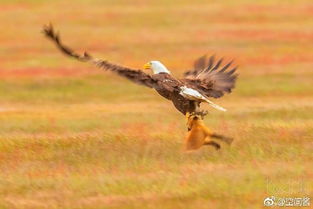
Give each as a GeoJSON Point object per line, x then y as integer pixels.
{"type": "Point", "coordinates": [73, 136]}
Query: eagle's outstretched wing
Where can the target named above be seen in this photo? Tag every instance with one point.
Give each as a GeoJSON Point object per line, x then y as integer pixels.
{"type": "Point", "coordinates": [134, 75]}
{"type": "Point", "coordinates": [198, 65]}
{"type": "Point", "coordinates": [210, 78]}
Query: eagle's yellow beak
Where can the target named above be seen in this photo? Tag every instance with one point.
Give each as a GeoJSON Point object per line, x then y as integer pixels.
{"type": "Point", "coordinates": [147, 66]}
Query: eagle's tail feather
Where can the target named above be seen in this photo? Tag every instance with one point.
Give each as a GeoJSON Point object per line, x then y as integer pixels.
{"type": "Point", "coordinates": [193, 94]}
{"type": "Point", "coordinates": [218, 107]}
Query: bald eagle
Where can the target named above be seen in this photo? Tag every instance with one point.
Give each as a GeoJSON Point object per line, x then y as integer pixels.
{"type": "Point", "coordinates": [208, 78]}
{"type": "Point", "coordinates": [204, 81]}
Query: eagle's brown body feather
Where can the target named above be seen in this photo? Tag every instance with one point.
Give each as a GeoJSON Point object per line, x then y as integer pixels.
{"type": "Point", "coordinates": [169, 87]}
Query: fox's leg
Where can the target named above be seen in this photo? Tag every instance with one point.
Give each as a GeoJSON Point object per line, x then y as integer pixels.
{"type": "Point", "coordinates": [209, 133]}
{"type": "Point", "coordinates": [226, 139]}
{"type": "Point", "coordinates": [220, 137]}
{"type": "Point", "coordinates": [212, 143]}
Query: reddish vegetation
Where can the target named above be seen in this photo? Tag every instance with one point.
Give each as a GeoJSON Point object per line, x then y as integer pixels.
{"type": "Point", "coordinates": [278, 9]}
{"type": "Point", "coordinates": [266, 35]}
{"type": "Point", "coordinates": [45, 72]}
{"type": "Point", "coordinates": [267, 60]}
{"type": "Point", "coordinates": [14, 7]}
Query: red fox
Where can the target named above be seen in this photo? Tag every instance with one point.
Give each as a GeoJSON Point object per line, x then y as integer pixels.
{"type": "Point", "coordinates": [199, 135]}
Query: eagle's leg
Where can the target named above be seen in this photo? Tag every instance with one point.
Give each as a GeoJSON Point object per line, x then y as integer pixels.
{"type": "Point", "coordinates": [194, 110]}
{"type": "Point", "coordinates": [199, 112]}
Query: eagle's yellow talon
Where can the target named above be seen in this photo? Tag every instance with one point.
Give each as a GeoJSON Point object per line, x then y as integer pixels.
{"type": "Point", "coordinates": [187, 115]}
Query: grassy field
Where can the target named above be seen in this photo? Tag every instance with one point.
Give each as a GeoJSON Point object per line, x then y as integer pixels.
{"type": "Point", "coordinates": [72, 136]}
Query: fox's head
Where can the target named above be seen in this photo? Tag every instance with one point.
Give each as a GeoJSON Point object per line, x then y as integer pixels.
{"type": "Point", "coordinates": [193, 120]}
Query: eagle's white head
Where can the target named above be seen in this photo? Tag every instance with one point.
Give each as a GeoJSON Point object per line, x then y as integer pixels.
{"type": "Point", "coordinates": [156, 67]}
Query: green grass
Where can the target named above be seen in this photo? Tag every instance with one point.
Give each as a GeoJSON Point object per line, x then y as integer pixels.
{"type": "Point", "coordinates": [72, 136]}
